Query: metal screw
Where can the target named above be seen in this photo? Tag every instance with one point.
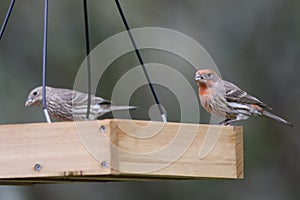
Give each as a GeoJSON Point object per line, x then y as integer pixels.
{"type": "Point", "coordinates": [102, 128]}
{"type": "Point", "coordinates": [104, 164]}
{"type": "Point", "coordinates": [37, 167]}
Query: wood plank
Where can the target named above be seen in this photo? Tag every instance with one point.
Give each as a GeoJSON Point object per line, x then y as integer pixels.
{"type": "Point", "coordinates": [113, 150]}
{"type": "Point", "coordinates": [180, 154]}
{"type": "Point", "coordinates": [56, 147]}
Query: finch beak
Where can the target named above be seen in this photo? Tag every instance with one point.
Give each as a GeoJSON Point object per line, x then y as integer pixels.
{"type": "Point", "coordinates": [198, 77]}
{"type": "Point", "coordinates": [28, 102]}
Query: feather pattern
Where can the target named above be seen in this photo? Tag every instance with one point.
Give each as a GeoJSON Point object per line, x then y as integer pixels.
{"type": "Point", "coordinates": [69, 105]}
{"type": "Point", "coordinates": [227, 100]}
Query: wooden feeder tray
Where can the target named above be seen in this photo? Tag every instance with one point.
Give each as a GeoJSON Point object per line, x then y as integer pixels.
{"type": "Point", "coordinates": [114, 150]}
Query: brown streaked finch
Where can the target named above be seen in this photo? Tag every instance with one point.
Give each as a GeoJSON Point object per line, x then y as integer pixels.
{"type": "Point", "coordinates": [67, 105]}
{"type": "Point", "coordinates": [224, 99]}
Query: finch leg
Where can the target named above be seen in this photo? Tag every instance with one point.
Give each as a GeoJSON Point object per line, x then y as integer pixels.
{"type": "Point", "coordinates": [228, 122]}
{"type": "Point", "coordinates": [238, 118]}
{"type": "Point", "coordinates": [225, 122]}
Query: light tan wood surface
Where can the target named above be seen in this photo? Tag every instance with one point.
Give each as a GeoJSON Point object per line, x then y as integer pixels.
{"type": "Point", "coordinates": [110, 150]}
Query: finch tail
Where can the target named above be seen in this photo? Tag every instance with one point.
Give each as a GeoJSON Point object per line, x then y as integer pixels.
{"type": "Point", "coordinates": [113, 107]}
{"type": "Point", "coordinates": [277, 118]}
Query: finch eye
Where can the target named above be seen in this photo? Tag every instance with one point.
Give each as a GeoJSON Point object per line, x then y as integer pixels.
{"type": "Point", "coordinates": [209, 75]}
{"type": "Point", "coordinates": [35, 93]}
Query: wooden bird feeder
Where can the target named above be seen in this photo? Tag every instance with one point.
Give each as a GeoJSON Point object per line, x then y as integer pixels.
{"type": "Point", "coordinates": [113, 150]}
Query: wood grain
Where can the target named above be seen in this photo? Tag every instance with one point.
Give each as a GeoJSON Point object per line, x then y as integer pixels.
{"type": "Point", "coordinates": [110, 150]}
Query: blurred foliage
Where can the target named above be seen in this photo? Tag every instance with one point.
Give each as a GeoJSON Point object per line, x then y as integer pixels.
{"type": "Point", "coordinates": [255, 44]}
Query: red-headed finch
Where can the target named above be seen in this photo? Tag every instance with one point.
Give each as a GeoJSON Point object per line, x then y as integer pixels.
{"type": "Point", "coordinates": [224, 99]}
{"type": "Point", "coordinates": [67, 105]}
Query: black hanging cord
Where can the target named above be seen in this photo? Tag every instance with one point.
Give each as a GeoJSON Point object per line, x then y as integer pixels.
{"type": "Point", "coordinates": [87, 45]}
{"type": "Point", "coordinates": [44, 63]}
{"type": "Point", "coordinates": [12, 3]}
{"type": "Point", "coordinates": [163, 116]}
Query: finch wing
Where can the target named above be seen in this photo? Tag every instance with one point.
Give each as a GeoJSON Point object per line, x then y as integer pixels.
{"type": "Point", "coordinates": [61, 95]}
{"type": "Point", "coordinates": [80, 99]}
{"type": "Point", "coordinates": [235, 94]}
{"type": "Point", "coordinates": [105, 104]}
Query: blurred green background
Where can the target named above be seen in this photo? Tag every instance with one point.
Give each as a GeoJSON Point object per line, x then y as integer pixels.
{"type": "Point", "coordinates": [255, 44]}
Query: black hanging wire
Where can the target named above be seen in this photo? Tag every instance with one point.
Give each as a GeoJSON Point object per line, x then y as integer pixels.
{"type": "Point", "coordinates": [162, 114]}
{"type": "Point", "coordinates": [12, 3]}
{"type": "Point", "coordinates": [44, 63]}
{"type": "Point", "coordinates": [44, 52]}
{"type": "Point", "coordinates": [87, 45]}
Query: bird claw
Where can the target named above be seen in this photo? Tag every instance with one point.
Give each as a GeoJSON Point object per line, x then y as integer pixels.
{"type": "Point", "coordinates": [226, 122]}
